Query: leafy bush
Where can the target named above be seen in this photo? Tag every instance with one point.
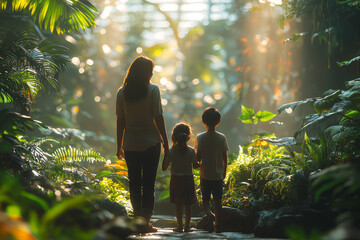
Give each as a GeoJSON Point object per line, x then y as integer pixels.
{"type": "Point", "coordinates": [267, 173]}
{"type": "Point", "coordinates": [266, 177]}
{"type": "Point", "coordinates": [335, 186]}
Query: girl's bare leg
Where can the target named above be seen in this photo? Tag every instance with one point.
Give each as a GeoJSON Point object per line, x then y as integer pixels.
{"type": "Point", "coordinates": [187, 215]}
{"type": "Point", "coordinates": [178, 213]}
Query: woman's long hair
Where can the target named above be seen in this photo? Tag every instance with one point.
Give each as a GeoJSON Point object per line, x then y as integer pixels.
{"type": "Point", "coordinates": [137, 78]}
{"type": "Point", "coordinates": [180, 136]}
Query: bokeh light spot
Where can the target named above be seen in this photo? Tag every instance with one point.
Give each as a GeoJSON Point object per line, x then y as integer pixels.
{"type": "Point", "coordinates": [97, 99]}
{"type": "Point", "coordinates": [163, 81]}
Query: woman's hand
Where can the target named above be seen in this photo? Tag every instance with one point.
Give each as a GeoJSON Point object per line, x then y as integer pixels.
{"type": "Point", "coordinates": [165, 164]}
{"type": "Point", "coordinates": [120, 153]}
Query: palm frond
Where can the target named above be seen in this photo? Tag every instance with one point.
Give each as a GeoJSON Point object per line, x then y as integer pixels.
{"type": "Point", "coordinates": [69, 155]}
{"type": "Point", "coordinates": [26, 67]}
{"type": "Point", "coordinates": [14, 123]}
{"type": "Point", "coordinates": [57, 15]}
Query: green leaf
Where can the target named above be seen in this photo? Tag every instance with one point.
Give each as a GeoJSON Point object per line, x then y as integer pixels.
{"type": "Point", "coordinates": [285, 141]}
{"type": "Point", "coordinates": [350, 118]}
{"type": "Point", "coordinates": [36, 199]}
{"type": "Point", "coordinates": [57, 14]}
{"type": "Point", "coordinates": [247, 115]}
{"type": "Point", "coordinates": [5, 146]}
{"type": "Point", "coordinates": [13, 210]}
{"type": "Point", "coordinates": [293, 105]}
{"type": "Point", "coordinates": [265, 116]}
{"type": "Point", "coordinates": [353, 84]}
{"type": "Point", "coordinates": [348, 62]}
{"type": "Point", "coordinates": [164, 194]}
{"type": "Point", "coordinates": [325, 103]}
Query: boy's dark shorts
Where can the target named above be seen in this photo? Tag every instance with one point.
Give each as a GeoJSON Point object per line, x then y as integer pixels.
{"type": "Point", "coordinates": [211, 186]}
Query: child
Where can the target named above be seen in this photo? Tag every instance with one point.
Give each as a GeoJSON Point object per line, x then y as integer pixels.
{"type": "Point", "coordinates": [182, 188]}
{"type": "Point", "coordinates": [211, 153]}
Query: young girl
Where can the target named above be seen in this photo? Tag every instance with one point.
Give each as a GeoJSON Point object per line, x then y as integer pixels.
{"type": "Point", "coordinates": [182, 159]}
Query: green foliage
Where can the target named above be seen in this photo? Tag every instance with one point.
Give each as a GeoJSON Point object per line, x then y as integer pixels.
{"type": "Point", "coordinates": [336, 186]}
{"type": "Point", "coordinates": [339, 186]}
{"type": "Point", "coordinates": [42, 212]}
{"type": "Point", "coordinates": [69, 154]}
{"type": "Point", "coordinates": [27, 66]}
{"type": "Point", "coordinates": [317, 151]}
{"type": "Point", "coordinates": [266, 177]}
{"type": "Point", "coordinates": [342, 104]}
{"type": "Point", "coordinates": [116, 192]}
{"type": "Point", "coordinates": [299, 233]}
{"type": "Point", "coordinates": [58, 16]}
{"type": "Point", "coordinates": [348, 62]}
{"type": "Point", "coordinates": [248, 116]}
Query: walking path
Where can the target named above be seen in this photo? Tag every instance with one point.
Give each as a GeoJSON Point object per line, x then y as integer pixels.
{"type": "Point", "coordinates": [166, 224]}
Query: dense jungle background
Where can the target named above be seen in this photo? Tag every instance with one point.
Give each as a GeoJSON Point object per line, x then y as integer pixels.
{"type": "Point", "coordinates": [283, 73]}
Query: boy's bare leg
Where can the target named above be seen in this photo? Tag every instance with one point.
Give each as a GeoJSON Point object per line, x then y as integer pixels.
{"type": "Point", "coordinates": [178, 213]}
{"type": "Point", "coordinates": [187, 215]}
{"type": "Point", "coordinates": [218, 208]}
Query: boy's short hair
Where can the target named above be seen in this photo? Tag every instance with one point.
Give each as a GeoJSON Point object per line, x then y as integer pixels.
{"type": "Point", "coordinates": [211, 117]}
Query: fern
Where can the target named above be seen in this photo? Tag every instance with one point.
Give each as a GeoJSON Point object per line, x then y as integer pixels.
{"type": "Point", "coordinates": [69, 154]}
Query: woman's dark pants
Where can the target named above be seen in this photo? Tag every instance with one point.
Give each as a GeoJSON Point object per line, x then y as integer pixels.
{"type": "Point", "coordinates": [142, 169]}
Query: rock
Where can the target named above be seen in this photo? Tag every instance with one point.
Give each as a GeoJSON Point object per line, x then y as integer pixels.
{"type": "Point", "coordinates": [206, 223]}
{"type": "Point", "coordinates": [236, 220]}
{"type": "Point", "coordinates": [113, 207]}
{"type": "Point", "coordinates": [120, 228]}
{"type": "Point", "coordinates": [232, 220]}
{"type": "Point", "coordinates": [343, 232]}
{"type": "Point", "coordinates": [274, 223]}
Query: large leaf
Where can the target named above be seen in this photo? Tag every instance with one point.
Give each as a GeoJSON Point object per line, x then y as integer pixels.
{"type": "Point", "coordinates": [247, 115]}
{"type": "Point", "coordinates": [353, 84]}
{"type": "Point", "coordinates": [293, 105]}
{"type": "Point", "coordinates": [348, 62]}
{"type": "Point", "coordinates": [13, 123]}
{"type": "Point", "coordinates": [164, 195]}
{"type": "Point", "coordinates": [265, 116]}
{"type": "Point", "coordinates": [284, 141]}
{"type": "Point", "coordinates": [57, 15]}
{"type": "Point", "coordinates": [351, 118]}
{"type": "Point", "coordinates": [325, 103]}
{"type": "Point", "coordinates": [69, 154]}
{"type": "Point", "coordinates": [28, 66]}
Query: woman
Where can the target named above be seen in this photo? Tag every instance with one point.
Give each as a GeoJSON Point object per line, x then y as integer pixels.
{"type": "Point", "coordinates": [140, 130]}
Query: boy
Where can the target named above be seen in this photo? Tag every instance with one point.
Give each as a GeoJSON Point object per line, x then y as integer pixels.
{"type": "Point", "coordinates": [211, 153]}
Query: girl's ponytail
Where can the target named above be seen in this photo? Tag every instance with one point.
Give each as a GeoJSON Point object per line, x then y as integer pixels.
{"type": "Point", "coordinates": [180, 136]}
{"type": "Point", "coordinates": [181, 139]}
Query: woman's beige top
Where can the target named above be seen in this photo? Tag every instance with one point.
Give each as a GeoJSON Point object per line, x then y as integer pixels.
{"type": "Point", "coordinates": [140, 130]}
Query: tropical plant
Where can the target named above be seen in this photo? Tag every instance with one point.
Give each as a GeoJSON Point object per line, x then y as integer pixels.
{"type": "Point", "coordinates": [335, 186]}
{"type": "Point", "coordinates": [41, 212]}
{"type": "Point", "coordinates": [341, 106]}
{"type": "Point", "coordinates": [248, 116]}
{"type": "Point", "coordinates": [27, 66]}
{"type": "Point", "coordinates": [266, 179]}
{"type": "Point", "coordinates": [59, 16]}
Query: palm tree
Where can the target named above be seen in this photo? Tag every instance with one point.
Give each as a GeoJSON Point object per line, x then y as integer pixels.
{"type": "Point", "coordinates": [30, 63]}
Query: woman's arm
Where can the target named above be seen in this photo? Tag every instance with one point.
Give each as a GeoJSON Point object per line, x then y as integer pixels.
{"type": "Point", "coordinates": [165, 164]}
{"type": "Point", "coordinates": [160, 124]}
{"type": "Point", "coordinates": [120, 129]}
